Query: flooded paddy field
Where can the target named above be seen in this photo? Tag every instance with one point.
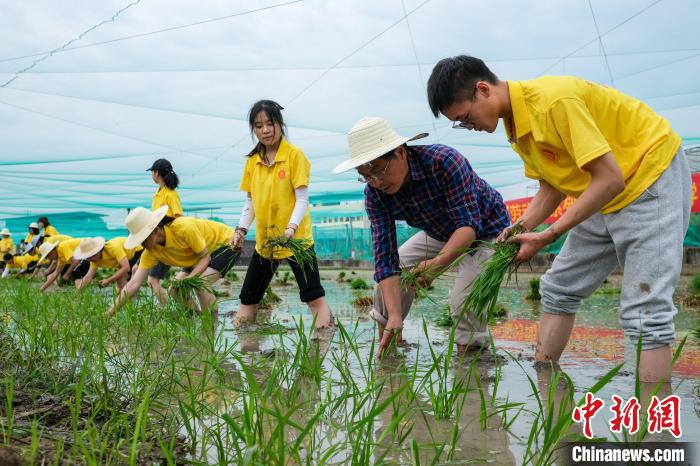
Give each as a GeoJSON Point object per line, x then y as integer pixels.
{"type": "Point", "coordinates": [161, 386]}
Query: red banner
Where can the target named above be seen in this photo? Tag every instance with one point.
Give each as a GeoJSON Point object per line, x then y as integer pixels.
{"type": "Point", "coordinates": [516, 207]}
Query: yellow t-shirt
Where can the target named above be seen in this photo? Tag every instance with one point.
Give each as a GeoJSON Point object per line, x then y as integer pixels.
{"type": "Point", "coordinates": [6, 245]}
{"type": "Point", "coordinates": [21, 262]}
{"type": "Point", "coordinates": [57, 238]}
{"type": "Point", "coordinates": [66, 249]}
{"type": "Point", "coordinates": [28, 239]}
{"type": "Point", "coordinates": [50, 231]}
{"type": "Point", "coordinates": [169, 197]}
{"type": "Point", "coordinates": [113, 252]}
{"type": "Point", "coordinates": [563, 122]}
{"type": "Point", "coordinates": [272, 192]}
{"type": "Point", "coordinates": [185, 238]}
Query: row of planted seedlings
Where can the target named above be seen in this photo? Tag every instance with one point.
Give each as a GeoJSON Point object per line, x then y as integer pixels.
{"type": "Point", "coordinates": [157, 385]}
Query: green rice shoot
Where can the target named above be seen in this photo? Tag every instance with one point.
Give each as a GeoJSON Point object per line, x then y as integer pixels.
{"type": "Point", "coordinates": [186, 288]}
{"type": "Point", "coordinates": [301, 249]}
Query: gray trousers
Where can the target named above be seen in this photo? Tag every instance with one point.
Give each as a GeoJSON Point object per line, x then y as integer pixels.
{"type": "Point", "coordinates": [420, 247]}
{"type": "Point", "coordinates": [646, 239]}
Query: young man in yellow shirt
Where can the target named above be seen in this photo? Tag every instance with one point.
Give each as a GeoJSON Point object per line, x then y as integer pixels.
{"type": "Point", "coordinates": [624, 165]}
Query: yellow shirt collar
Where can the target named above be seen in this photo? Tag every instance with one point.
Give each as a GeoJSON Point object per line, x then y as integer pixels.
{"type": "Point", "coordinates": [283, 152]}
{"type": "Point", "coordinates": [517, 105]}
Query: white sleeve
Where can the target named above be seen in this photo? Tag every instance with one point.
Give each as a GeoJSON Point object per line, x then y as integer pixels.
{"type": "Point", "coordinates": [247, 214]}
{"type": "Point", "coordinates": [302, 203]}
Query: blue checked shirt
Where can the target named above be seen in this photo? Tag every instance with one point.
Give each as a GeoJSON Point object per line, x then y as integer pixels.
{"type": "Point", "coordinates": [444, 194]}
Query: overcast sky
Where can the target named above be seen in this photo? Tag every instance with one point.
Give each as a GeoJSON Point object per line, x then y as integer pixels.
{"type": "Point", "coordinates": [78, 129]}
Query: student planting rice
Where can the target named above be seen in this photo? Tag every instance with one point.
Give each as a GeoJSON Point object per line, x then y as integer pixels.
{"type": "Point", "coordinates": [107, 255]}
{"type": "Point", "coordinates": [33, 231]}
{"type": "Point", "coordinates": [434, 189]}
{"type": "Point", "coordinates": [49, 229]}
{"type": "Point", "coordinates": [200, 246]}
{"type": "Point", "coordinates": [63, 266]}
{"type": "Point", "coordinates": [24, 263]}
{"type": "Point", "coordinates": [276, 180]}
{"type": "Point", "coordinates": [624, 165]}
{"type": "Point", "coordinates": [167, 180]}
{"type": "Point", "coordinates": [6, 243]}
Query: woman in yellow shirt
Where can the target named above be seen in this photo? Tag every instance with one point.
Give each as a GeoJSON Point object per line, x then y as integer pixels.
{"type": "Point", "coordinates": [61, 256]}
{"type": "Point", "coordinates": [276, 180]}
{"type": "Point", "coordinates": [33, 231]}
{"type": "Point", "coordinates": [49, 229]}
{"type": "Point", "coordinates": [166, 195]}
{"type": "Point", "coordinates": [107, 255]}
{"type": "Point", "coordinates": [6, 244]}
{"type": "Point", "coordinates": [200, 247]}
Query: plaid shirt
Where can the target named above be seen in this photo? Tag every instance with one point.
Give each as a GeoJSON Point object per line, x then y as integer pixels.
{"type": "Point", "coordinates": [444, 194]}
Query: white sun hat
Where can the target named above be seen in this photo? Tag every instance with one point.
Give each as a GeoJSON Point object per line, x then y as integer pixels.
{"type": "Point", "coordinates": [34, 225]}
{"type": "Point", "coordinates": [370, 138]}
{"type": "Point", "coordinates": [88, 247]}
{"type": "Point", "coordinates": [141, 222]}
{"type": "Point", "coordinates": [5, 231]}
{"type": "Point", "coordinates": [45, 249]}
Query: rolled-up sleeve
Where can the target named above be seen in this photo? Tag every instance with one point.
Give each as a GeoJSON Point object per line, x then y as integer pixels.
{"type": "Point", "coordinates": [383, 228]}
{"type": "Point", "coordinates": [462, 206]}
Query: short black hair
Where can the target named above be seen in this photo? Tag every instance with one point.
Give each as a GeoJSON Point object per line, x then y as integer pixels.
{"type": "Point", "coordinates": [453, 80]}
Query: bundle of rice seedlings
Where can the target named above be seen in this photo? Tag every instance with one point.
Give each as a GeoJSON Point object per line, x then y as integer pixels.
{"type": "Point", "coordinates": [534, 294]}
{"type": "Point", "coordinates": [301, 250]}
{"type": "Point", "coordinates": [485, 287]}
{"type": "Point", "coordinates": [270, 298]}
{"type": "Point", "coordinates": [186, 288]}
{"type": "Point", "coordinates": [358, 284]}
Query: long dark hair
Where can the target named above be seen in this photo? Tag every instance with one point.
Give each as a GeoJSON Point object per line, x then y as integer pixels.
{"type": "Point", "coordinates": [166, 221]}
{"type": "Point", "coordinates": [274, 112]}
{"type": "Point", "coordinates": [169, 178]}
{"type": "Point", "coordinates": [43, 220]}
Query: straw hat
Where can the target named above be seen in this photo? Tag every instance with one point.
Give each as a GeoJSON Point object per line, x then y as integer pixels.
{"type": "Point", "coordinates": [45, 249]}
{"type": "Point", "coordinates": [369, 139]}
{"type": "Point", "coordinates": [88, 247]}
{"type": "Point", "coordinates": [5, 231]}
{"type": "Point", "coordinates": [141, 222]}
{"type": "Point", "coordinates": [34, 225]}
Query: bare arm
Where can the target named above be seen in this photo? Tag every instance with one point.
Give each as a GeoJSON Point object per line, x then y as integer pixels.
{"type": "Point", "coordinates": [87, 279]}
{"type": "Point", "coordinates": [122, 272]}
{"type": "Point", "coordinates": [129, 290]}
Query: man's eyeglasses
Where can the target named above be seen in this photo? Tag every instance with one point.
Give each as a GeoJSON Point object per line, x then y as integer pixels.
{"type": "Point", "coordinates": [374, 177]}
{"type": "Point", "coordinates": [465, 123]}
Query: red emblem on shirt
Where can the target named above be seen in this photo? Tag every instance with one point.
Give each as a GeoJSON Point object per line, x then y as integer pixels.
{"type": "Point", "coordinates": [281, 174]}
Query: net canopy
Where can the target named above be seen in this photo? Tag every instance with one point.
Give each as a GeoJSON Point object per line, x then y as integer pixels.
{"type": "Point", "coordinates": [91, 93]}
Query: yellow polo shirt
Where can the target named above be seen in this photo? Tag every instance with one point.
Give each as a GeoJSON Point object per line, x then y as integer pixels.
{"type": "Point", "coordinates": [28, 239]}
{"type": "Point", "coordinates": [113, 252]}
{"type": "Point", "coordinates": [66, 249]}
{"type": "Point", "coordinates": [6, 245]}
{"type": "Point", "coordinates": [185, 238]}
{"type": "Point", "coordinates": [57, 238]}
{"type": "Point", "coordinates": [21, 262]}
{"type": "Point", "coordinates": [50, 231]}
{"type": "Point", "coordinates": [169, 197]}
{"type": "Point", "coordinates": [272, 191]}
{"type": "Point", "coordinates": [563, 122]}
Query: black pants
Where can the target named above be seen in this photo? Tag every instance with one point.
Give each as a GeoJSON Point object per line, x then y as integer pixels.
{"type": "Point", "coordinates": [79, 271]}
{"type": "Point", "coordinates": [261, 270]}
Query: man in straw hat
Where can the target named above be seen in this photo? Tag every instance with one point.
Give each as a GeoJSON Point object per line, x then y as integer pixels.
{"type": "Point", "coordinates": [432, 188]}
{"type": "Point", "coordinates": [199, 246]}
{"type": "Point", "coordinates": [62, 263]}
{"type": "Point", "coordinates": [107, 255]}
{"type": "Point", "coordinates": [626, 168]}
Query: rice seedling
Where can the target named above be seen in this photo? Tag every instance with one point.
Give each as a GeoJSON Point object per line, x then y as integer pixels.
{"type": "Point", "coordinates": [269, 300]}
{"type": "Point", "coordinates": [186, 288]}
{"type": "Point", "coordinates": [284, 281]}
{"type": "Point", "coordinates": [695, 284]}
{"type": "Point", "coordinates": [301, 249]}
{"type": "Point", "coordinates": [534, 294]}
{"type": "Point", "coordinates": [363, 302]}
{"type": "Point", "coordinates": [341, 277]}
{"type": "Point", "coordinates": [359, 284]}
{"type": "Point", "coordinates": [232, 276]}
{"type": "Point", "coordinates": [444, 319]}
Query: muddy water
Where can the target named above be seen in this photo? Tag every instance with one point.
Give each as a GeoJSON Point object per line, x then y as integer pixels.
{"type": "Point", "coordinates": [597, 345]}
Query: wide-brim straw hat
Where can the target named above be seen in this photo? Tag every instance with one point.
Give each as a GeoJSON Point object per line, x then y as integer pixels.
{"type": "Point", "coordinates": [46, 248]}
{"type": "Point", "coordinates": [141, 222]}
{"type": "Point", "coordinates": [370, 138]}
{"type": "Point", "coordinates": [4, 232]}
{"type": "Point", "coordinates": [88, 247]}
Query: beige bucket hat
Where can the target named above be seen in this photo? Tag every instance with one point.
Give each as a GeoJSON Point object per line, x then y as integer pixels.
{"type": "Point", "coordinates": [34, 225]}
{"type": "Point", "coordinates": [141, 222]}
{"type": "Point", "coordinates": [88, 247]}
{"type": "Point", "coordinates": [45, 249]}
{"type": "Point", "coordinates": [4, 232]}
{"type": "Point", "coordinates": [370, 138]}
